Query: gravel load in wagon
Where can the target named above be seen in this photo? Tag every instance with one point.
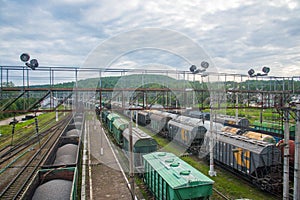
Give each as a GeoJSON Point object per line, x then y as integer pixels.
{"type": "Point", "coordinates": [75, 125]}
{"type": "Point", "coordinates": [73, 132]}
{"type": "Point", "coordinates": [78, 118]}
{"type": "Point", "coordinates": [68, 152]}
{"type": "Point", "coordinates": [64, 160]}
{"type": "Point", "coordinates": [54, 189]}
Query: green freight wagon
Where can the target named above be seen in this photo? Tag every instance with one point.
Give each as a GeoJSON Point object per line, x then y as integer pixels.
{"type": "Point", "coordinates": [104, 115]}
{"type": "Point", "coordinates": [142, 144]}
{"type": "Point", "coordinates": [170, 178]}
{"type": "Point", "coordinates": [274, 127]}
{"type": "Point", "coordinates": [110, 120]}
{"type": "Point", "coordinates": [119, 125]}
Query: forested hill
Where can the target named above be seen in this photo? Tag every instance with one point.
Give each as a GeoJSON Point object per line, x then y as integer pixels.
{"type": "Point", "coordinates": [107, 82]}
{"type": "Point", "coordinates": [160, 81]}
{"type": "Point", "coordinates": [157, 81]}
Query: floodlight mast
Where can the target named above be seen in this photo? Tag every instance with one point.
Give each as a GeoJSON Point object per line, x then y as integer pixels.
{"type": "Point", "coordinates": [32, 64]}
{"type": "Point", "coordinates": [194, 69]}
{"type": "Point", "coordinates": [24, 57]}
{"type": "Point", "coordinates": [203, 73]}
{"type": "Point", "coordinates": [265, 71]}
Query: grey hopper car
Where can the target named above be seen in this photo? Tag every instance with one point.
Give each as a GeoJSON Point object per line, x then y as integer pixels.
{"type": "Point", "coordinates": [143, 117]}
{"type": "Point", "coordinates": [232, 121]}
{"type": "Point", "coordinates": [258, 161]}
{"type": "Point", "coordinates": [159, 123]}
{"type": "Point", "coordinates": [189, 132]}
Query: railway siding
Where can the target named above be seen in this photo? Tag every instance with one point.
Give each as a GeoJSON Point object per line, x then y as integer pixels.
{"type": "Point", "coordinates": [17, 185]}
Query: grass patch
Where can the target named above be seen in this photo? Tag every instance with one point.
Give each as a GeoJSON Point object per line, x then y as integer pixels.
{"type": "Point", "coordinates": [27, 128]}
{"type": "Point", "coordinates": [139, 182]}
{"type": "Point", "coordinates": [229, 184]}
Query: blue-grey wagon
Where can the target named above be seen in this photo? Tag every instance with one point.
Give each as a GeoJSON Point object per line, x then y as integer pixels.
{"type": "Point", "coordinates": [258, 161]}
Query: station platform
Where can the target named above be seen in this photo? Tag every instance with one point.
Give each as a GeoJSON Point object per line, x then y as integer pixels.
{"type": "Point", "coordinates": [105, 178]}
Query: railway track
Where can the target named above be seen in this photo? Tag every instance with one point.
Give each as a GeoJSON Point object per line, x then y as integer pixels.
{"type": "Point", "coordinates": [21, 138]}
{"type": "Point", "coordinates": [220, 194]}
{"type": "Point", "coordinates": [24, 143]}
{"type": "Point", "coordinates": [17, 185]}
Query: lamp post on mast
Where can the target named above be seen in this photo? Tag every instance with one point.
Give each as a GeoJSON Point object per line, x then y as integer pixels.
{"type": "Point", "coordinates": [202, 71]}
{"type": "Point", "coordinates": [297, 155]}
{"type": "Point", "coordinates": [131, 166]}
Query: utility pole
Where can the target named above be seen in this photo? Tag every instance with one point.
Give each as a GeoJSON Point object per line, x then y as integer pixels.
{"type": "Point", "coordinates": [211, 171]}
{"type": "Point", "coordinates": [137, 114]}
{"type": "Point", "coordinates": [101, 141]}
{"type": "Point", "coordinates": [56, 116]}
{"type": "Point", "coordinates": [236, 106]}
{"type": "Point", "coordinates": [286, 155]}
{"type": "Point", "coordinates": [297, 156]}
{"type": "Point", "coordinates": [131, 166]}
{"type": "Point", "coordinates": [236, 102]}
{"type": "Point", "coordinates": [13, 130]}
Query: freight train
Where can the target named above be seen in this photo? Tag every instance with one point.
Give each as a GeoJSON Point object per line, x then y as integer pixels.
{"type": "Point", "coordinates": [275, 128]}
{"type": "Point", "coordinates": [192, 183]}
{"type": "Point", "coordinates": [187, 131]}
{"type": "Point", "coordinates": [119, 130]}
{"type": "Point", "coordinates": [252, 155]}
{"type": "Point", "coordinates": [58, 176]}
{"type": "Point", "coordinates": [226, 120]}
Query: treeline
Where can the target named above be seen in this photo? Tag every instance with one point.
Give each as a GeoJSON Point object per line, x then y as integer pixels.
{"type": "Point", "coordinates": [158, 81]}
{"type": "Point", "coordinates": [18, 105]}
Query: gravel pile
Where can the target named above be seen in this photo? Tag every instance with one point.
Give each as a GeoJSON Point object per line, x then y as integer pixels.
{"type": "Point", "coordinates": [54, 189]}
{"type": "Point", "coordinates": [73, 132]}
{"type": "Point", "coordinates": [78, 119]}
{"type": "Point", "coordinates": [76, 125]}
{"type": "Point", "coordinates": [65, 160]}
{"type": "Point", "coordinates": [66, 154]}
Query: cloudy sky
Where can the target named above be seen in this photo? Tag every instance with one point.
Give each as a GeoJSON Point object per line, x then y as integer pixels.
{"type": "Point", "coordinates": [235, 36]}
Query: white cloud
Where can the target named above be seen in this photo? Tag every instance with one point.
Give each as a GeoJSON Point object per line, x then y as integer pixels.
{"type": "Point", "coordinates": [107, 10]}
{"type": "Point", "coordinates": [236, 35]}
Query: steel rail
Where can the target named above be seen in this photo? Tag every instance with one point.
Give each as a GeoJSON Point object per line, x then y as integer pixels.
{"type": "Point", "coordinates": [22, 143]}
{"type": "Point", "coordinates": [17, 185]}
